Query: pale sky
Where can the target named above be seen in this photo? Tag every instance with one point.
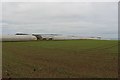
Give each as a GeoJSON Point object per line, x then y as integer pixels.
{"type": "Point", "coordinates": [79, 18]}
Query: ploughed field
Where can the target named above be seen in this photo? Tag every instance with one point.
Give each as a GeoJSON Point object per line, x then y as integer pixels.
{"type": "Point", "coordinates": [60, 59]}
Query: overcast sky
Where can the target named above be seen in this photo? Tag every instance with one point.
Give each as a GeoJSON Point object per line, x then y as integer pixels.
{"type": "Point", "coordinates": [80, 18]}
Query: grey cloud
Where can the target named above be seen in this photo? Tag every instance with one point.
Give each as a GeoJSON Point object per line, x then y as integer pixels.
{"type": "Point", "coordinates": [67, 18]}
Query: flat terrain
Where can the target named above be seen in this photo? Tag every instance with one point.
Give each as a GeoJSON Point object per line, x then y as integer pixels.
{"type": "Point", "coordinates": [61, 59]}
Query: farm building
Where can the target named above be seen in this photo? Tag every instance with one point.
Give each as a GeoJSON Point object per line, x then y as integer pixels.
{"type": "Point", "coordinates": [53, 37]}
{"type": "Point", "coordinates": [56, 37]}
{"type": "Point", "coordinates": [18, 38]}
{"type": "Point", "coordinates": [44, 36]}
{"type": "Point", "coordinates": [64, 37]}
{"type": "Point", "coordinates": [68, 37]}
{"type": "Point", "coordinates": [28, 37]}
{"type": "Point", "coordinates": [47, 37]}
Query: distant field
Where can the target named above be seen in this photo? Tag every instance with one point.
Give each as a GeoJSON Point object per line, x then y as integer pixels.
{"type": "Point", "coordinates": [60, 59]}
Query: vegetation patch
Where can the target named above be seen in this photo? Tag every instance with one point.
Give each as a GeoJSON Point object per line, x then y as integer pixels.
{"type": "Point", "coordinates": [60, 59]}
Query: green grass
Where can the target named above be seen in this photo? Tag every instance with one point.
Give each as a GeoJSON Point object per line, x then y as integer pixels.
{"type": "Point", "coordinates": [60, 59]}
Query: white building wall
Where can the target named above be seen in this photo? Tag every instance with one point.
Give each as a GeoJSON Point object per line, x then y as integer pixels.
{"type": "Point", "coordinates": [18, 38]}
{"type": "Point", "coordinates": [65, 38]}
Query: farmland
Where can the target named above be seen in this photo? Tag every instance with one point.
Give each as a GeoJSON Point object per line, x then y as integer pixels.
{"type": "Point", "coordinates": [60, 59]}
